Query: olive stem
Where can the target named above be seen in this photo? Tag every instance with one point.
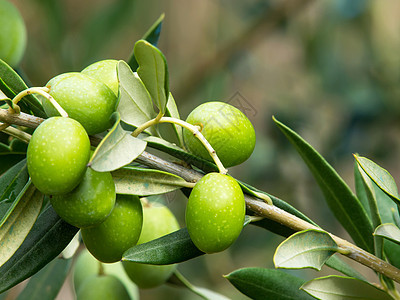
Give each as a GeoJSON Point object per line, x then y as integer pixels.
{"type": "Point", "coordinates": [147, 124]}
{"type": "Point", "coordinates": [43, 91]}
{"type": "Point", "coordinates": [19, 134]}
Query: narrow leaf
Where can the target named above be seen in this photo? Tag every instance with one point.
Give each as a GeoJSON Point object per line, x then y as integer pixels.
{"type": "Point", "coordinates": [380, 176]}
{"type": "Point", "coordinates": [48, 237]}
{"type": "Point", "coordinates": [388, 231]}
{"type": "Point", "coordinates": [145, 182]}
{"type": "Point", "coordinates": [341, 200]}
{"type": "Point", "coordinates": [172, 111]}
{"type": "Point", "coordinates": [152, 35]}
{"type": "Point", "coordinates": [19, 222]}
{"type": "Point", "coordinates": [135, 106]}
{"type": "Point", "coordinates": [172, 248]}
{"type": "Point", "coordinates": [46, 284]}
{"type": "Point", "coordinates": [259, 283]}
{"type": "Point", "coordinates": [117, 149]}
{"type": "Point", "coordinates": [305, 249]}
{"type": "Point", "coordinates": [153, 71]}
{"type": "Point", "coordinates": [11, 84]}
{"type": "Point", "coordinates": [178, 279]}
{"type": "Point", "coordinates": [343, 288]}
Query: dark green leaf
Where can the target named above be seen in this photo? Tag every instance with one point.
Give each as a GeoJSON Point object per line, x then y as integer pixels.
{"type": "Point", "coordinates": [341, 200]}
{"type": "Point", "coordinates": [48, 237]}
{"type": "Point", "coordinates": [135, 106]}
{"type": "Point", "coordinates": [117, 149]}
{"type": "Point", "coordinates": [172, 248]}
{"type": "Point", "coordinates": [46, 284]}
{"type": "Point", "coordinates": [19, 221]}
{"type": "Point", "coordinates": [174, 150]}
{"type": "Point", "coordinates": [380, 176]}
{"type": "Point", "coordinates": [259, 283]}
{"type": "Point", "coordinates": [145, 182]}
{"type": "Point", "coordinates": [343, 288]}
{"type": "Point", "coordinates": [305, 249]}
{"type": "Point", "coordinates": [11, 84]}
{"type": "Point", "coordinates": [153, 71]}
{"type": "Point", "coordinates": [152, 35]}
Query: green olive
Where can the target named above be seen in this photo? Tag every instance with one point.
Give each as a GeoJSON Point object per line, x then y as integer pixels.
{"type": "Point", "coordinates": [84, 98]}
{"type": "Point", "coordinates": [157, 221]}
{"type": "Point", "coordinates": [57, 155]}
{"type": "Point", "coordinates": [104, 71]}
{"type": "Point", "coordinates": [102, 287]}
{"type": "Point", "coordinates": [119, 232]}
{"type": "Point", "coordinates": [226, 128]}
{"type": "Point", "coordinates": [90, 202]}
{"type": "Point", "coordinates": [12, 34]}
{"type": "Point", "coordinates": [215, 212]}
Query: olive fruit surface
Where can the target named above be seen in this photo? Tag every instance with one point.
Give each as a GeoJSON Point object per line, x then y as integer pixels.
{"type": "Point", "coordinates": [84, 98]}
{"type": "Point", "coordinates": [99, 287]}
{"type": "Point", "coordinates": [226, 128]}
{"type": "Point", "coordinates": [157, 222]}
{"type": "Point", "coordinates": [215, 212]}
{"type": "Point", "coordinates": [57, 155]}
{"type": "Point", "coordinates": [90, 202]}
{"type": "Point", "coordinates": [104, 71]}
{"type": "Point", "coordinates": [12, 34]}
{"type": "Point", "coordinates": [119, 232]}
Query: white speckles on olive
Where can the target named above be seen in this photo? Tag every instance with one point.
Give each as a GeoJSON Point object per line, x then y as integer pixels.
{"type": "Point", "coordinates": [49, 158]}
{"type": "Point", "coordinates": [215, 212]}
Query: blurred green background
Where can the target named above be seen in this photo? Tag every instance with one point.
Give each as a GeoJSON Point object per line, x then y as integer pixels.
{"type": "Point", "coordinates": [329, 69]}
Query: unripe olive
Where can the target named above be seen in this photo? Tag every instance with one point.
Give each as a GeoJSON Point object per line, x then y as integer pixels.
{"type": "Point", "coordinates": [157, 221]}
{"type": "Point", "coordinates": [226, 128]}
{"type": "Point", "coordinates": [215, 212]}
{"type": "Point", "coordinates": [57, 155]}
{"type": "Point", "coordinates": [90, 202]}
{"type": "Point", "coordinates": [104, 71]}
{"type": "Point", "coordinates": [12, 34]}
{"type": "Point", "coordinates": [84, 98]}
{"type": "Point", "coordinates": [119, 232]}
{"type": "Point", "coordinates": [102, 287]}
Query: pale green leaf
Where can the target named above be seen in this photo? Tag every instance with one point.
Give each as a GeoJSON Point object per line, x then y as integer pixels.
{"type": "Point", "coordinates": [305, 249]}
{"type": "Point", "coordinates": [388, 231]}
{"type": "Point", "coordinates": [172, 111]}
{"type": "Point", "coordinates": [18, 224]}
{"type": "Point", "coordinates": [153, 71]}
{"type": "Point", "coordinates": [117, 149]}
{"type": "Point", "coordinates": [380, 176]}
{"type": "Point", "coordinates": [343, 288]}
{"type": "Point", "coordinates": [145, 182]}
{"type": "Point", "coordinates": [135, 106]}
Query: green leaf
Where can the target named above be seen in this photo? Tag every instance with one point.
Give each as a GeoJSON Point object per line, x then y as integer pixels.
{"type": "Point", "coordinates": [153, 71]}
{"type": "Point", "coordinates": [343, 288]}
{"type": "Point", "coordinates": [152, 35]}
{"type": "Point", "coordinates": [380, 176]}
{"type": "Point", "coordinates": [11, 184]}
{"type": "Point", "coordinates": [305, 249]}
{"type": "Point", "coordinates": [178, 279]}
{"type": "Point", "coordinates": [46, 284]}
{"type": "Point", "coordinates": [48, 237]}
{"type": "Point", "coordinates": [20, 221]}
{"type": "Point", "coordinates": [172, 111]}
{"type": "Point", "coordinates": [388, 231]}
{"type": "Point", "coordinates": [174, 150]}
{"type": "Point", "coordinates": [172, 248]}
{"type": "Point", "coordinates": [341, 200]}
{"type": "Point", "coordinates": [11, 84]}
{"type": "Point", "coordinates": [260, 283]}
{"type": "Point", "coordinates": [135, 106]}
{"type": "Point", "coordinates": [117, 149]}
{"type": "Point", "coordinates": [145, 182]}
